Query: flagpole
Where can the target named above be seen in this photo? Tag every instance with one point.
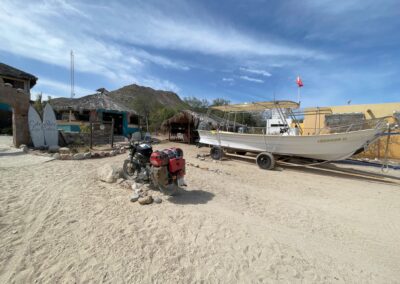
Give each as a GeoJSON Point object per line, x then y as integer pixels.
{"type": "Point", "coordinates": [298, 94]}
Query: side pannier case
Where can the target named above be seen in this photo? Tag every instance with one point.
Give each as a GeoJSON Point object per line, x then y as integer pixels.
{"type": "Point", "coordinates": [159, 159]}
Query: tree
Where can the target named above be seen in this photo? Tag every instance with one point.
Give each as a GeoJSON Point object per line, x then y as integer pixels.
{"type": "Point", "coordinates": [220, 102]}
{"type": "Point", "coordinates": [143, 107]}
{"type": "Point", "coordinates": [38, 104]}
{"type": "Point", "coordinates": [196, 104]}
{"type": "Point", "coordinates": [159, 115]}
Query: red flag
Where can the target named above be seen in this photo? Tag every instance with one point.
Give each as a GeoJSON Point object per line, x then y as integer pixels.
{"type": "Point", "coordinates": [299, 82]}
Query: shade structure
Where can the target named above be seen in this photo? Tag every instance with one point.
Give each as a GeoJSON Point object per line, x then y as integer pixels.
{"type": "Point", "coordinates": [256, 106]}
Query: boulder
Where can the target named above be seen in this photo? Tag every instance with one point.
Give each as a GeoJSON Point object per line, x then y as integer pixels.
{"type": "Point", "coordinates": [65, 156]}
{"type": "Point", "coordinates": [87, 155]}
{"type": "Point", "coordinates": [157, 200]}
{"type": "Point", "coordinates": [102, 154]}
{"type": "Point", "coordinates": [64, 150]}
{"type": "Point", "coordinates": [134, 197]}
{"type": "Point", "coordinates": [57, 156]}
{"type": "Point", "coordinates": [24, 148]}
{"type": "Point", "coordinates": [54, 148]}
{"type": "Point", "coordinates": [79, 156]}
{"type": "Point", "coordinates": [145, 200]}
{"type": "Point", "coordinates": [135, 186]}
{"type": "Point", "coordinates": [109, 173]}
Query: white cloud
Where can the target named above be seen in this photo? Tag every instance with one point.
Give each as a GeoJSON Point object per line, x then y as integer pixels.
{"type": "Point", "coordinates": [48, 30]}
{"type": "Point", "coordinates": [227, 79]}
{"type": "Point", "coordinates": [256, 71]}
{"type": "Point", "coordinates": [251, 79]}
{"type": "Point", "coordinates": [189, 28]}
{"type": "Point", "coordinates": [57, 89]}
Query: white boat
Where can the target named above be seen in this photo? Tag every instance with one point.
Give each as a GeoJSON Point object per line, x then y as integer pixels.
{"type": "Point", "coordinates": [328, 146]}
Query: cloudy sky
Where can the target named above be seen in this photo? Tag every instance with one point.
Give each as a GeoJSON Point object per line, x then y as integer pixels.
{"type": "Point", "coordinates": [238, 50]}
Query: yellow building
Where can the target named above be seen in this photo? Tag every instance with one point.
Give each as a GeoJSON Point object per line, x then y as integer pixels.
{"type": "Point", "coordinates": [315, 120]}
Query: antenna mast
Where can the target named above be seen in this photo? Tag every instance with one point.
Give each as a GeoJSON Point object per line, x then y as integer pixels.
{"type": "Point", "coordinates": [72, 84]}
{"type": "Point", "coordinates": [72, 75]}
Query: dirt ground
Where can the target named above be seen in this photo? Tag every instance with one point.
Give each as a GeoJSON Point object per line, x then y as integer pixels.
{"type": "Point", "coordinates": [234, 223]}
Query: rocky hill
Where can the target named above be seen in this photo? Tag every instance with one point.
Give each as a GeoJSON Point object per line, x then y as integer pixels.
{"type": "Point", "coordinates": [127, 94]}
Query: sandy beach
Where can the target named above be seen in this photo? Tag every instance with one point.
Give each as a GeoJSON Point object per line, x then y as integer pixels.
{"type": "Point", "coordinates": [234, 223]}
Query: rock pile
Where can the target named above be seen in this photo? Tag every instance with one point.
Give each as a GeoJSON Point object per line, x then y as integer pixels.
{"type": "Point", "coordinates": [141, 192]}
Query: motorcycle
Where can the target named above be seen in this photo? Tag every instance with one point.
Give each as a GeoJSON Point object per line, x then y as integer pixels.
{"type": "Point", "coordinates": [164, 170]}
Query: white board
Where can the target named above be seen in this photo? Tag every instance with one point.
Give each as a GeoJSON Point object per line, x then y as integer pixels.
{"type": "Point", "coordinates": [50, 126]}
{"type": "Point", "coordinates": [35, 127]}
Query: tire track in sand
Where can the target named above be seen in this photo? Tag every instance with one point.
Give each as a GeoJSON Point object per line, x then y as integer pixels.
{"type": "Point", "coordinates": [32, 228]}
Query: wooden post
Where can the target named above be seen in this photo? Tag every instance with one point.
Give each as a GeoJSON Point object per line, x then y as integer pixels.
{"type": "Point", "coordinates": [189, 132]}
{"type": "Point", "coordinates": [91, 135]}
{"type": "Point", "coordinates": [112, 133]}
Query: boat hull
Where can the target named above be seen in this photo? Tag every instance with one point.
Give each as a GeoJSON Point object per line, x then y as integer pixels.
{"type": "Point", "coordinates": [331, 147]}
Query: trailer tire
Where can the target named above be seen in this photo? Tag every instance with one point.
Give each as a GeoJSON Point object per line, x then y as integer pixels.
{"type": "Point", "coordinates": [265, 161]}
{"type": "Point", "coordinates": [216, 153]}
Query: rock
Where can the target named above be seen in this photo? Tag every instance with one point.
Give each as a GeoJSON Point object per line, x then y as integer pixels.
{"type": "Point", "coordinates": [14, 232]}
{"type": "Point", "coordinates": [145, 200]}
{"type": "Point", "coordinates": [122, 150]}
{"type": "Point", "coordinates": [102, 154]}
{"type": "Point", "coordinates": [120, 180]}
{"type": "Point", "coordinates": [57, 156]}
{"type": "Point", "coordinates": [54, 148]}
{"type": "Point", "coordinates": [64, 150]}
{"type": "Point", "coordinates": [79, 156]}
{"type": "Point", "coordinates": [202, 158]}
{"type": "Point", "coordinates": [125, 184]}
{"type": "Point", "coordinates": [95, 155]}
{"type": "Point", "coordinates": [113, 153]}
{"type": "Point", "coordinates": [65, 156]}
{"type": "Point", "coordinates": [134, 186]}
{"type": "Point", "coordinates": [109, 173]}
{"type": "Point", "coordinates": [135, 197]}
{"type": "Point", "coordinates": [157, 200]}
{"type": "Point", "coordinates": [24, 148]}
{"type": "Point", "coordinates": [87, 155]}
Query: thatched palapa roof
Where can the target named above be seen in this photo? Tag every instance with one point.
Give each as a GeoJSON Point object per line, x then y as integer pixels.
{"type": "Point", "coordinates": [9, 71]}
{"type": "Point", "coordinates": [189, 116]}
{"type": "Point", "coordinates": [99, 101]}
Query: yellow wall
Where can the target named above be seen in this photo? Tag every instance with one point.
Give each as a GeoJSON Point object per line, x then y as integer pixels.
{"type": "Point", "coordinates": [316, 119]}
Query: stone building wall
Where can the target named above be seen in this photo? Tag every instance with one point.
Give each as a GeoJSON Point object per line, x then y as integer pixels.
{"type": "Point", "coordinates": [18, 100]}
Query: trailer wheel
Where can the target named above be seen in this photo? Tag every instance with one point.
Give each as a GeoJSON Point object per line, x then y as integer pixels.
{"type": "Point", "coordinates": [265, 161]}
{"type": "Point", "coordinates": [216, 153]}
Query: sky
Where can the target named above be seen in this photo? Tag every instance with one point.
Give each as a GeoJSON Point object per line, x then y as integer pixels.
{"type": "Point", "coordinates": [243, 51]}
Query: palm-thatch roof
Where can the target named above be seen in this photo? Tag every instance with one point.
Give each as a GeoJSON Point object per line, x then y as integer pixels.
{"type": "Point", "coordinates": [99, 101]}
{"type": "Point", "coordinates": [192, 117]}
{"type": "Point", "coordinates": [9, 71]}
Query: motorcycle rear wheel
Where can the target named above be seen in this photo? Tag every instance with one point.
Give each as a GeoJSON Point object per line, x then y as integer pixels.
{"type": "Point", "coordinates": [170, 190]}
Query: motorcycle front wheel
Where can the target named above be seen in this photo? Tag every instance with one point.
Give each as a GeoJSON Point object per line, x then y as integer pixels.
{"type": "Point", "coordinates": [129, 170]}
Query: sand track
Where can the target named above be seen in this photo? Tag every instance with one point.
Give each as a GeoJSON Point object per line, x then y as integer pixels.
{"type": "Point", "coordinates": [59, 224]}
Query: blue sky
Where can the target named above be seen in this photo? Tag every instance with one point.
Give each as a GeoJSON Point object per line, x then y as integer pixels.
{"type": "Point", "coordinates": [238, 50]}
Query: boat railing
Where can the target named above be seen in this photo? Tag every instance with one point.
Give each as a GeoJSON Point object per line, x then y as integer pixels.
{"type": "Point", "coordinates": [330, 129]}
